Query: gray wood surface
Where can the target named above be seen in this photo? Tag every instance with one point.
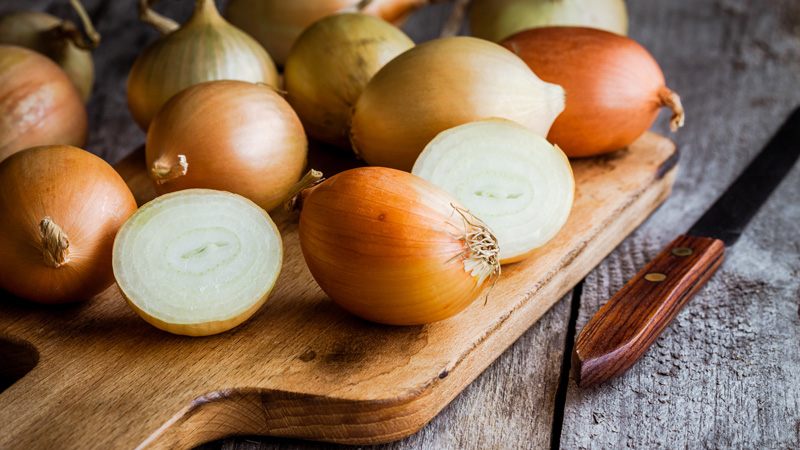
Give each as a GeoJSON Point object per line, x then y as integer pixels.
{"type": "Point", "coordinates": [725, 374]}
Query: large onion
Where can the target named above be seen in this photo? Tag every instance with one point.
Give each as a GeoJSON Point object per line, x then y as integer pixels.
{"type": "Point", "coordinates": [329, 66]}
{"type": "Point", "coordinates": [615, 88]}
{"type": "Point", "coordinates": [58, 39]}
{"type": "Point", "coordinates": [276, 24]}
{"type": "Point", "coordinates": [197, 262]}
{"type": "Point", "coordinates": [512, 178]}
{"type": "Point", "coordinates": [393, 248]}
{"type": "Point", "coordinates": [495, 20]}
{"type": "Point", "coordinates": [442, 84]}
{"type": "Point", "coordinates": [61, 207]}
{"type": "Point", "coordinates": [39, 105]}
{"type": "Point", "coordinates": [205, 48]}
{"type": "Point", "coordinates": [227, 135]}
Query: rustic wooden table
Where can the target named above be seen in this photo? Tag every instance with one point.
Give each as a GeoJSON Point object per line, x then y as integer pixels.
{"type": "Point", "coordinates": [725, 373]}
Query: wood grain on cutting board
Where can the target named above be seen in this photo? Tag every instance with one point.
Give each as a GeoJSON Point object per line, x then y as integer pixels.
{"type": "Point", "coordinates": [302, 366]}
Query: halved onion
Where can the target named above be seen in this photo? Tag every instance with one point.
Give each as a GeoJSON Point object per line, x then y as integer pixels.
{"type": "Point", "coordinates": [508, 176]}
{"type": "Point", "coordinates": [197, 262]}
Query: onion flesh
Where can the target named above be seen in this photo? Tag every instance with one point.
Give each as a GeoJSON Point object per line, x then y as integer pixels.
{"type": "Point", "coordinates": [495, 20]}
{"type": "Point", "coordinates": [393, 248]}
{"type": "Point", "coordinates": [615, 89]}
{"type": "Point", "coordinates": [441, 84]}
{"type": "Point", "coordinates": [512, 178]}
{"type": "Point", "coordinates": [227, 135]}
{"type": "Point", "coordinates": [197, 262]}
{"type": "Point", "coordinates": [348, 49]}
{"type": "Point", "coordinates": [61, 207]}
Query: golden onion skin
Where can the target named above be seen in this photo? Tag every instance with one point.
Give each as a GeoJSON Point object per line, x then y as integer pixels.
{"type": "Point", "coordinates": [442, 84]}
{"type": "Point", "coordinates": [381, 243]}
{"type": "Point", "coordinates": [30, 30]}
{"type": "Point", "coordinates": [39, 105]}
{"type": "Point", "coordinates": [236, 136]}
{"type": "Point", "coordinates": [495, 20]}
{"type": "Point", "coordinates": [80, 193]}
{"type": "Point", "coordinates": [205, 48]}
{"type": "Point", "coordinates": [329, 66]}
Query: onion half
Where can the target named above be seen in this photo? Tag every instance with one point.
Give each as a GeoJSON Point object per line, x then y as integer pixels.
{"type": "Point", "coordinates": [61, 207]}
{"type": "Point", "coordinates": [329, 66]}
{"type": "Point", "coordinates": [227, 135]}
{"type": "Point", "coordinates": [393, 248]}
{"type": "Point", "coordinates": [441, 84]}
{"type": "Point", "coordinates": [495, 20]}
{"type": "Point", "coordinates": [39, 105]}
{"type": "Point", "coordinates": [615, 88]}
{"type": "Point", "coordinates": [197, 262]}
{"type": "Point", "coordinates": [512, 178]}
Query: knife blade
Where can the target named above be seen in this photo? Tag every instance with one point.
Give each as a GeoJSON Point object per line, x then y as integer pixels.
{"type": "Point", "coordinates": [625, 327]}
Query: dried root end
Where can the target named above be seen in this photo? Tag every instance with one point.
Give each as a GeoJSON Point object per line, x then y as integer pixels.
{"type": "Point", "coordinates": [295, 199]}
{"type": "Point", "coordinates": [672, 100]}
{"type": "Point", "coordinates": [55, 244]}
{"type": "Point", "coordinates": [483, 256]}
{"type": "Point", "coordinates": [161, 172]}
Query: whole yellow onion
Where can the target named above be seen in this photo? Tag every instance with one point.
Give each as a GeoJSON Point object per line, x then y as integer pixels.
{"type": "Point", "coordinates": [205, 48]}
{"type": "Point", "coordinates": [57, 39]}
{"type": "Point", "coordinates": [441, 84]}
{"type": "Point", "coordinates": [329, 66]}
{"type": "Point", "coordinates": [496, 20]}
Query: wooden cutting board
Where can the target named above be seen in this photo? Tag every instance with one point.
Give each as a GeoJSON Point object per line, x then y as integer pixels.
{"type": "Point", "coordinates": [301, 367]}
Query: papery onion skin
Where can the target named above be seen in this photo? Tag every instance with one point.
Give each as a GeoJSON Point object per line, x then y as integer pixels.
{"type": "Point", "coordinates": [205, 48]}
{"type": "Point", "coordinates": [235, 136]}
{"type": "Point", "coordinates": [276, 24]}
{"type": "Point", "coordinates": [84, 197]}
{"type": "Point", "coordinates": [441, 84]}
{"type": "Point", "coordinates": [384, 245]}
{"type": "Point", "coordinates": [496, 20]}
{"type": "Point", "coordinates": [39, 105]}
{"type": "Point", "coordinates": [329, 66]}
{"type": "Point", "coordinates": [615, 89]}
{"type": "Point", "coordinates": [30, 30]}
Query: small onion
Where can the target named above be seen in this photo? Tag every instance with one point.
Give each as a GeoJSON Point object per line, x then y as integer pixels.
{"type": "Point", "coordinates": [329, 66]}
{"type": "Point", "coordinates": [197, 262]}
{"type": "Point", "coordinates": [205, 48]}
{"type": "Point", "coordinates": [393, 248]}
{"type": "Point", "coordinates": [495, 20]}
{"type": "Point", "coordinates": [39, 105]}
{"type": "Point", "coordinates": [512, 178]}
{"type": "Point", "coordinates": [276, 24]}
{"type": "Point", "coordinates": [441, 84]}
{"type": "Point", "coordinates": [615, 88]}
{"type": "Point", "coordinates": [227, 135]}
{"type": "Point", "coordinates": [57, 39]}
{"type": "Point", "coordinates": [61, 207]}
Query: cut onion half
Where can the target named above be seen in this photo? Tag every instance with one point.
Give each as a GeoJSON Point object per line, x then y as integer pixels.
{"type": "Point", "coordinates": [519, 184]}
{"type": "Point", "coordinates": [197, 262]}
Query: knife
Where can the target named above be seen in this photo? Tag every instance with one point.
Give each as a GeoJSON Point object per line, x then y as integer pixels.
{"type": "Point", "coordinates": [625, 327]}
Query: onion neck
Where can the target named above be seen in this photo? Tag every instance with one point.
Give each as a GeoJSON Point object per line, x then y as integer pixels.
{"type": "Point", "coordinates": [670, 99]}
{"type": "Point", "coordinates": [163, 171]}
{"type": "Point", "coordinates": [205, 11]}
{"type": "Point", "coordinates": [163, 24]}
{"type": "Point", "coordinates": [67, 31]}
{"type": "Point", "coordinates": [294, 201]}
{"type": "Point", "coordinates": [55, 244]}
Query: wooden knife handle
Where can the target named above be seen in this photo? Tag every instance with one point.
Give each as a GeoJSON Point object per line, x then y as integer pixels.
{"type": "Point", "coordinates": [632, 320]}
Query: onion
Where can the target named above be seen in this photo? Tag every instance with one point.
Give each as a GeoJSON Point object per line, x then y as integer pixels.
{"type": "Point", "coordinates": [57, 39]}
{"type": "Point", "coordinates": [197, 262]}
{"type": "Point", "coordinates": [39, 105]}
{"type": "Point", "coordinates": [276, 24]}
{"type": "Point", "coordinates": [329, 66]}
{"type": "Point", "coordinates": [615, 89]}
{"type": "Point", "coordinates": [510, 177]}
{"type": "Point", "coordinates": [61, 207]}
{"type": "Point", "coordinates": [442, 84]}
{"type": "Point", "coordinates": [205, 48]}
{"type": "Point", "coordinates": [227, 135]}
{"type": "Point", "coordinates": [393, 248]}
{"type": "Point", "coordinates": [495, 20]}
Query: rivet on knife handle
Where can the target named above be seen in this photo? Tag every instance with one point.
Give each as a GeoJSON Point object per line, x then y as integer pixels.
{"type": "Point", "coordinates": [632, 320]}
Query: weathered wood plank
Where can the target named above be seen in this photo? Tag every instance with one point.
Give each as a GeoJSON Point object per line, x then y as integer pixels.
{"type": "Point", "coordinates": [725, 373]}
